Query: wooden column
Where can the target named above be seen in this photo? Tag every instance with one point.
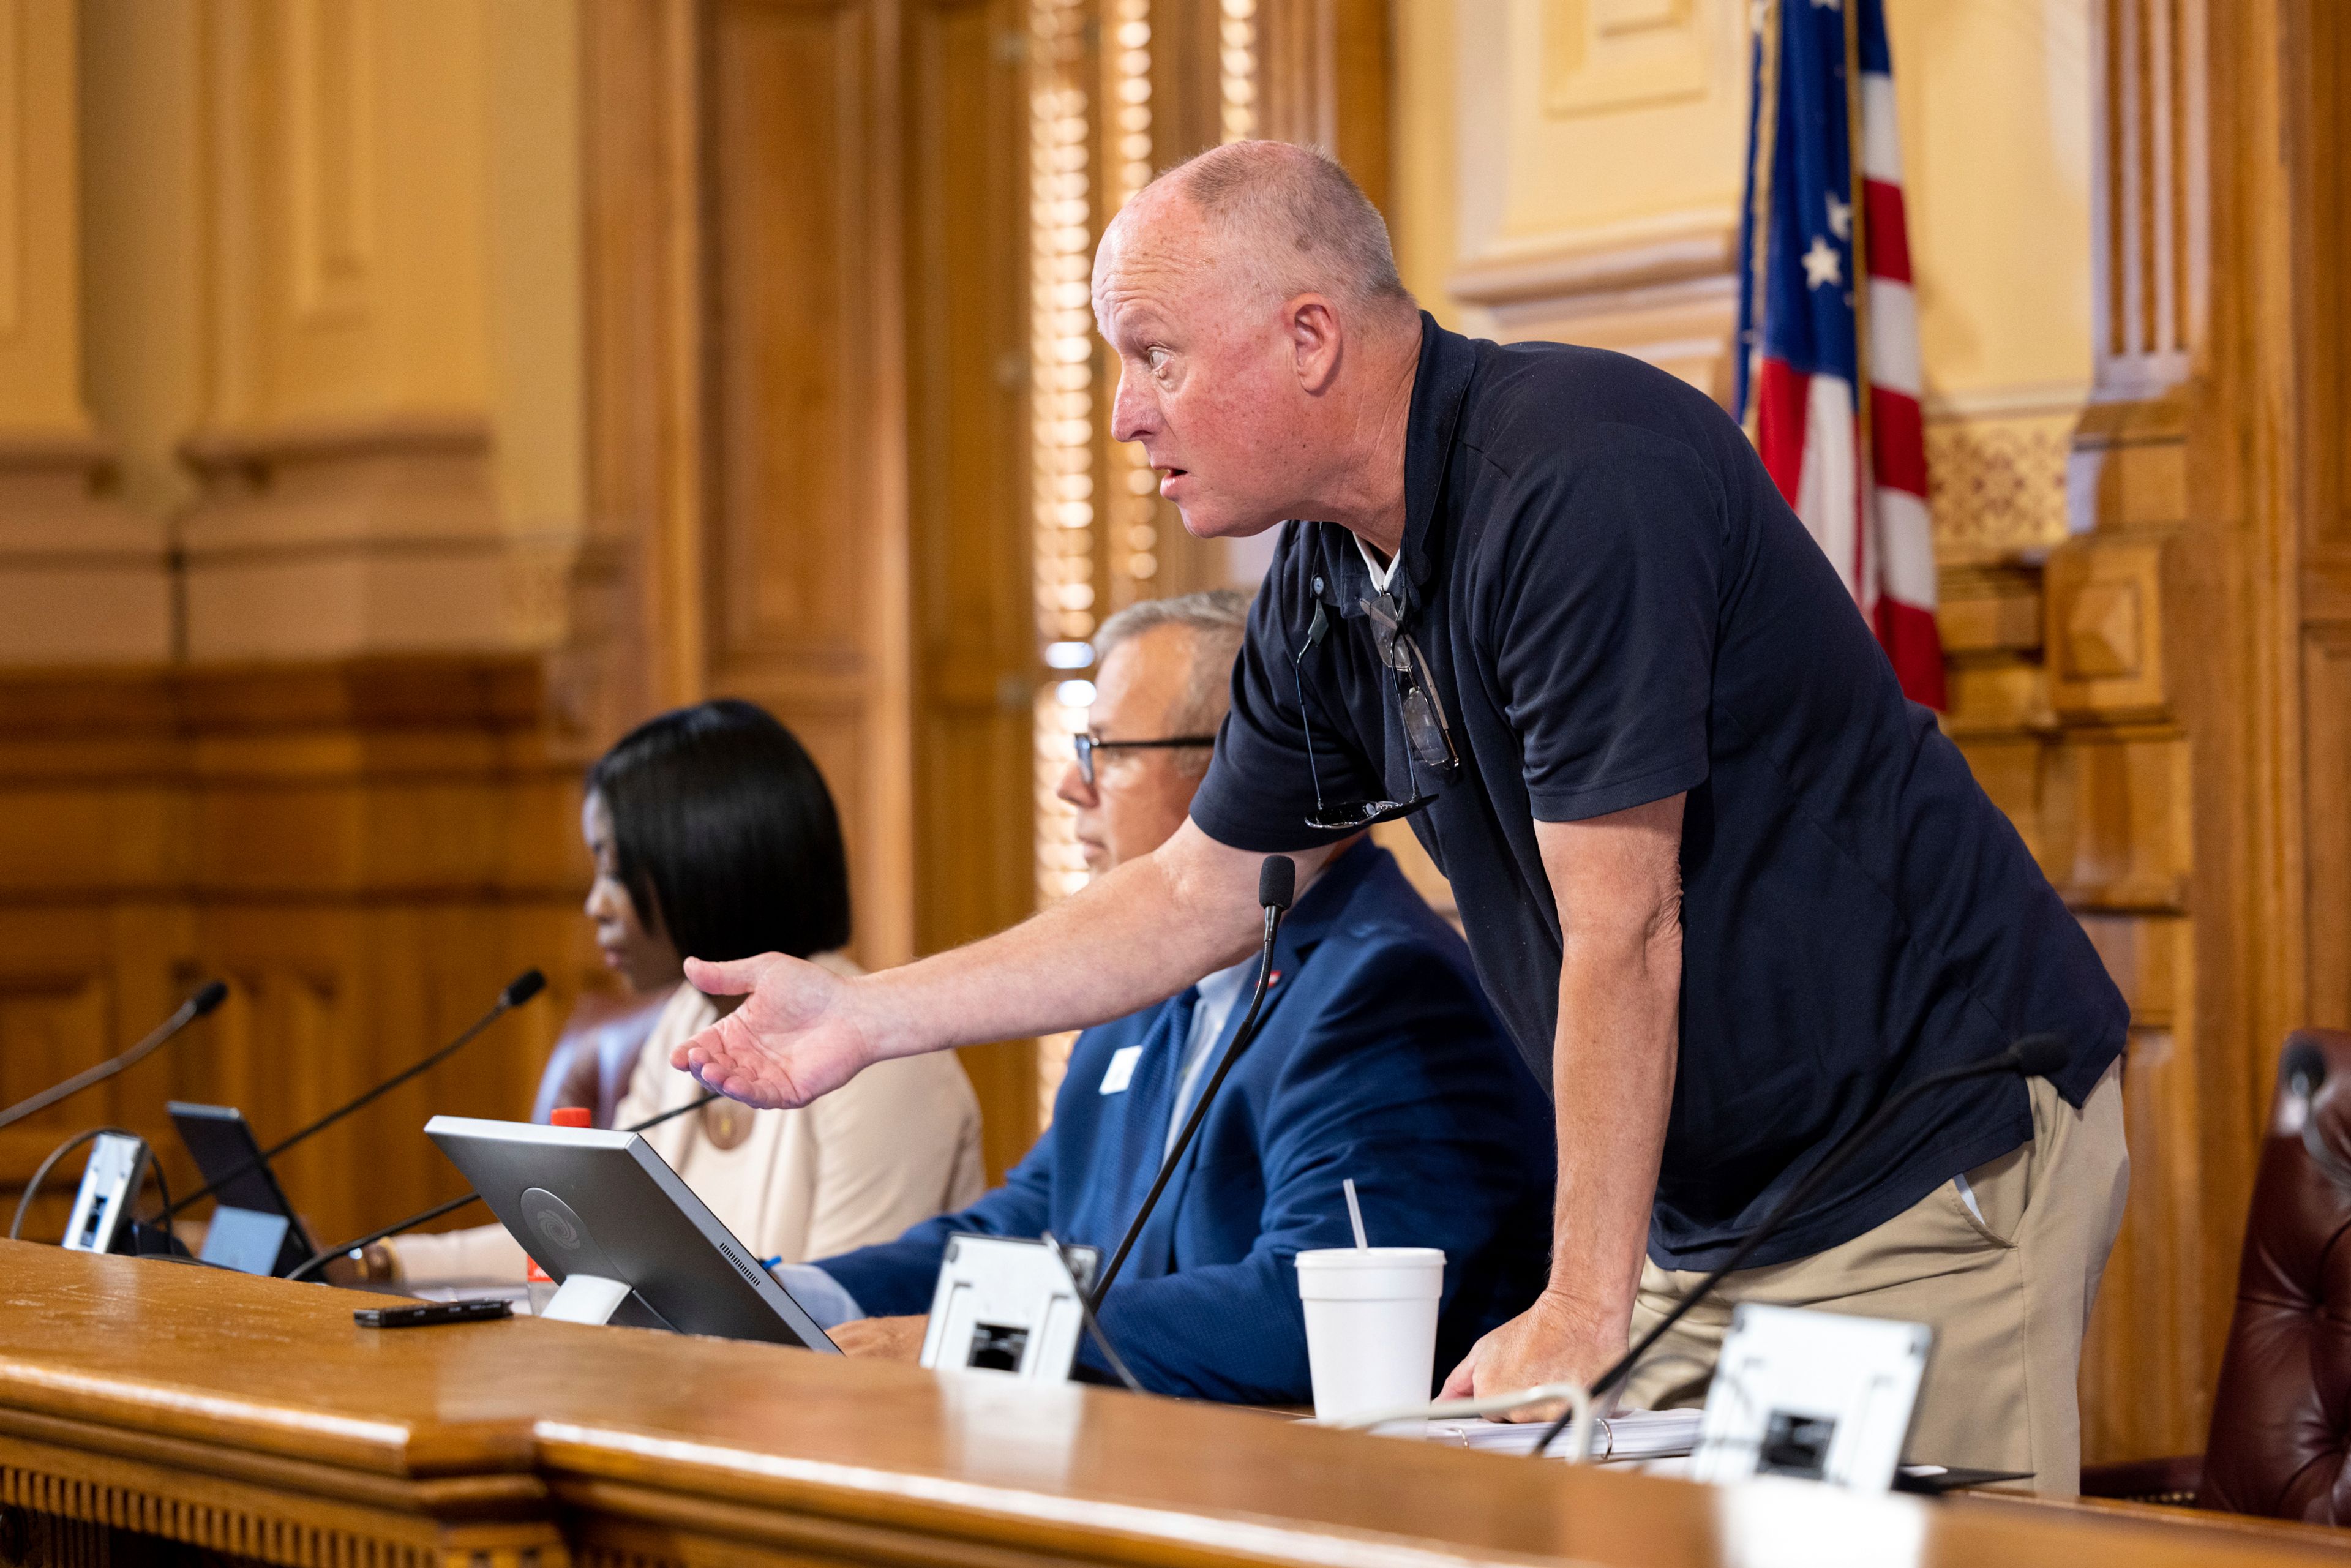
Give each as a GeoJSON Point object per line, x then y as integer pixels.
{"type": "Point", "coordinates": [386, 441]}
{"type": "Point", "coordinates": [82, 579]}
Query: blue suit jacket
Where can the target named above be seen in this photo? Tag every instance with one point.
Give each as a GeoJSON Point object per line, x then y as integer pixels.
{"type": "Point", "coordinates": [1379, 1060]}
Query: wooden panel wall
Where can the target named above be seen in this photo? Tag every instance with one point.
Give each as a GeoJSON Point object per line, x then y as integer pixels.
{"type": "Point", "coordinates": [364, 851]}
{"type": "Point", "coordinates": [2165, 706]}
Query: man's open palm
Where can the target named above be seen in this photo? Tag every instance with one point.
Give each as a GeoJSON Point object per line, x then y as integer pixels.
{"type": "Point", "coordinates": [793, 1041]}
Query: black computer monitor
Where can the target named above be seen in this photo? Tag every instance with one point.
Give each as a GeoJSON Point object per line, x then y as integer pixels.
{"type": "Point", "coordinates": [253, 1228]}
{"type": "Point", "coordinates": [585, 1201]}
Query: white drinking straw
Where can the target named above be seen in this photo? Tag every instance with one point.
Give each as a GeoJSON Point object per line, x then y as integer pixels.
{"type": "Point", "coordinates": [1355, 1213]}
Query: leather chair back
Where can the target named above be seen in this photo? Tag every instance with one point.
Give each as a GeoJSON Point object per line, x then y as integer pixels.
{"type": "Point", "coordinates": [596, 1054]}
{"type": "Point", "coordinates": [2281, 1436]}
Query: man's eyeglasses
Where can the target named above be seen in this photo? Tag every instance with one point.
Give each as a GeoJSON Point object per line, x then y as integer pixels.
{"type": "Point", "coordinates": [1427, 732]}
{"type": "Point", "coordinates": [1087, 746]}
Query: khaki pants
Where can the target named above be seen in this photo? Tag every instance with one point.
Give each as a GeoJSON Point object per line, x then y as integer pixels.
{"type": "Point", "coordinates": [2008, 1295]}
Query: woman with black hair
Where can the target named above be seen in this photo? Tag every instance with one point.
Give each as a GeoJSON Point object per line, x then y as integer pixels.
{"type": "Point", "coordinates": [715, 837]}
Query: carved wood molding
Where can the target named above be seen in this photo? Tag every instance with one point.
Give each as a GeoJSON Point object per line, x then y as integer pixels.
{"type": "Point", "coordinates": [373, 693]}
{"type": "Point", "coordinates": [836, 1514]}
{"type": "Point", "coordinates": [268, 1520]}
{"type": "Point", "coordinates": [1997, 485]}
{"type": "Point", "coordinates": [1651, 254]}
{"type": "Point", "coordinates": [1662, 290]}
{"type": "Point", "coordinates": [235, 448]}
{"type": "Point", "coordinates": [414, 481]}
{"type": "Point", "coordinates": [315, 539]}
{"type": "Point", "coordinates": [83, 578]}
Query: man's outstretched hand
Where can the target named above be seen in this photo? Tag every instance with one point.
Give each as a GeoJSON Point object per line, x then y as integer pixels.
{"type": "Point", "coordinates": [797, 1037]}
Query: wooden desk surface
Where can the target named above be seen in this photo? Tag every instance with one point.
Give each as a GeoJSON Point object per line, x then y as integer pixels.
{"type": "Point", "coordinates": [253, 1417]}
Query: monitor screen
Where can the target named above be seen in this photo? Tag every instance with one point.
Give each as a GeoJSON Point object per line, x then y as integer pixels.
{"type": "Point", "coordinates": [254, 1230]}
{"type": "Point", "coordinates": [586, 1200]}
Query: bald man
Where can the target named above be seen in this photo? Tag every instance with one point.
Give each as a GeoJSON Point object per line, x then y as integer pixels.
{"type": "Point", "coordinates": [1729, 889]}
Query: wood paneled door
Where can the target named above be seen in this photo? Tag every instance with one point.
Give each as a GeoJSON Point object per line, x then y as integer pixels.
{"type": "Point", "coordinates": [808, 368]}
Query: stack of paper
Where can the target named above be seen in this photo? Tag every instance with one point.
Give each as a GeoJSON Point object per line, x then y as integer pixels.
{"type": "Point", "coordinates": [1626, 1435]}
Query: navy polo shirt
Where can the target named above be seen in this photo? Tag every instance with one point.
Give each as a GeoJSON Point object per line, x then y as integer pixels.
{"type": "Point", "coordinates": [1618, 606]}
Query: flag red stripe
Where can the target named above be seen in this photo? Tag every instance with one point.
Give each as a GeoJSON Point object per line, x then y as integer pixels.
{"type": "Point", "coordinates": [1781, 396]}
{"type": "Point", "coordinates": [1908, 637]}
{"type": "Point", "coordinates": [1888, 232]}
{"type": "Point", "coordinates": [1897, 441]}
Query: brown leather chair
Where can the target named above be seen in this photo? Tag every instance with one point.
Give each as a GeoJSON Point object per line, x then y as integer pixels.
{"type": "Point", "coordinates": [596, 1053]}
{"type": "Point", "coordinates": [2280, 1443]}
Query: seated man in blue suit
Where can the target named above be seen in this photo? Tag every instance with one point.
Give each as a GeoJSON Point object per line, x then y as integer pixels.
{"type": "Point", "coordinates": [1379, 1060]}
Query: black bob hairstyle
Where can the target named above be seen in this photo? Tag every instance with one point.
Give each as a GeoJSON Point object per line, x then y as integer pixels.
{"type": "Point", "coordinates": [724, 834]}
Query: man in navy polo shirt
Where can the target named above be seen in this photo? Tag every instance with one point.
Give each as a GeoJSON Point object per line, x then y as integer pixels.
{"type": "Point", "coordinates": [1729, 891]}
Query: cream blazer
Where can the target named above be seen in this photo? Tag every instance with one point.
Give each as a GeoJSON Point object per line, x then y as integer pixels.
{"type": "Point", "coordinates": [894, 1146]}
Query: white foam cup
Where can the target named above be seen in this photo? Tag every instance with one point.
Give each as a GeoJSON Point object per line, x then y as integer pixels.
{"type": "Point", "coordinates": [1371, 1325]}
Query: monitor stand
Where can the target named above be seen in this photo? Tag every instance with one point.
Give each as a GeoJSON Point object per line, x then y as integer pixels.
{"type": "Point", "coordinates": [594, 1298]}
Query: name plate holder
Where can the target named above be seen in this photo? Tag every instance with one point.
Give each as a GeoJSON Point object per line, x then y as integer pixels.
{"type": "Point", "coordinates": [1816, 1395]}
{"type": "Point", "coordinates": [1007, 1306]}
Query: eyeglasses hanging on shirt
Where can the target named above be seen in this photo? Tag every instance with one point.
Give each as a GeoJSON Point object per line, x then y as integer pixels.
{"type": "Point", "coordinates": [1428, 737]}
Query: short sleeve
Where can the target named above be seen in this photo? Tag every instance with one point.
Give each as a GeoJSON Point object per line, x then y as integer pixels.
{"type": "Point", "coordinates": [1260, 785]}
{"type": "Point", "coordinates": [1604, 636]}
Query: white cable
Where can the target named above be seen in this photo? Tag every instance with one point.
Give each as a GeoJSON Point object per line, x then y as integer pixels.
{"type": "Point", "coordinates": [1578, 1442]}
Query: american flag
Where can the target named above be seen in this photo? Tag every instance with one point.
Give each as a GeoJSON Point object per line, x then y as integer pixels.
{"type": "Point", "coordinates": [1823, 85]}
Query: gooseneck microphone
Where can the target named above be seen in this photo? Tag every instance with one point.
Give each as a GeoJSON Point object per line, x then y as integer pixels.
{"type": "Point", "coordinates": [518, 990]}
{"type": "Point", "coordinates": [210, 997]}
{"type": "Point", "coordinates": [1276, 886]}
{"type": "Point", "coordinates": [2035, 1056]}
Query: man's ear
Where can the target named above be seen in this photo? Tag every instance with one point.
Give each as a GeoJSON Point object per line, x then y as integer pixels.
{"type": "Point", "coordinates": [1314, 341]}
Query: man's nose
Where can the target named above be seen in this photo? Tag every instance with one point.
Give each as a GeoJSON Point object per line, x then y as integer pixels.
{"type": "Point", "coordinates": [1073, 788]}
{"type": "Point", "coordinates": [1131, 415]}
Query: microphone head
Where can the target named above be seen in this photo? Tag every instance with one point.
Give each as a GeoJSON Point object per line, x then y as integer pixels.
{"type": "Point", "coordinates": [1277, 881]}
{"type": "Point", "coordinates": [522, 988]}
{"type": "Point", "coordinates": [205, 1001]}
{"type": "Point", "coordinates": [2040, 1055]}
{"type": "Point", "coordinates": [2304, 1061]}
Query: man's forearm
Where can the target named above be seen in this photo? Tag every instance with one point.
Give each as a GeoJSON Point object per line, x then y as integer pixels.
{"type": "Point", "coordinates": [1143, 932]}
{"type": "Point", "coordinates": [1612, 1068]}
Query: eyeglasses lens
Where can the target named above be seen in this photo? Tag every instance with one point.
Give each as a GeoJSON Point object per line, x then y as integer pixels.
{"type": "Point", "coordinates": [1421, 727]}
